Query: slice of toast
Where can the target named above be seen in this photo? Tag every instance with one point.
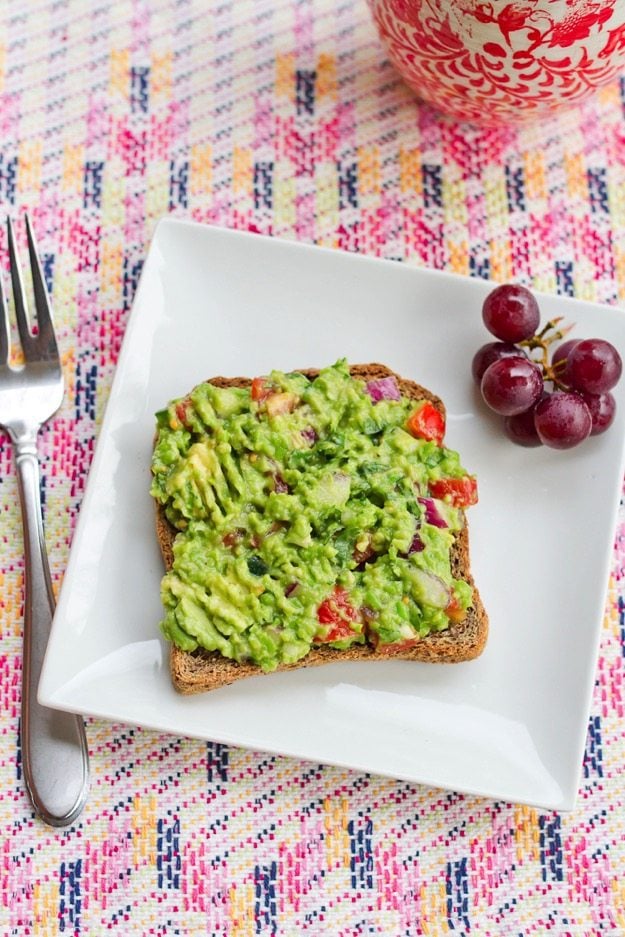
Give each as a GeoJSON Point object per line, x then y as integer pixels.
{"type": "Point", "coordinates": [200, 670]}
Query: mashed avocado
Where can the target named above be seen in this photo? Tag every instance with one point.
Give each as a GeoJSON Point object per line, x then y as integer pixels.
{"type": "Point", "coordinates": [308, 512]}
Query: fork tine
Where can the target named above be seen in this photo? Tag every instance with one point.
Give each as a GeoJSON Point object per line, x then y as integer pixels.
{"type": "Point", "coordinates": [19, 296]}
{"type": "Point", "coordinates": [45, 338]}
{"type": "Point", "coordinates": [4, 326]}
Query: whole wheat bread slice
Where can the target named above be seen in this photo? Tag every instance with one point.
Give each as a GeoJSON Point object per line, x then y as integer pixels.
{"type": "Point", "coordinates": [200, 670]}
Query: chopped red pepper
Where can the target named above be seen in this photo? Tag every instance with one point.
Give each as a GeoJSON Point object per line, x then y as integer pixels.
{"type": "Point", "coordinates": [427, 423]}
{"type": "Point", "coordinates": [459, 492]}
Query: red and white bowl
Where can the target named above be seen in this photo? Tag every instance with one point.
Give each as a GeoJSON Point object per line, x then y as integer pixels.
{"type": "Point", "coordinates": [492, 61]}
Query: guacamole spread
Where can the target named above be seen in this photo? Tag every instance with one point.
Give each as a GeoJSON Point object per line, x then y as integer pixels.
{"type": "Point", "coordinates": [308, 512]}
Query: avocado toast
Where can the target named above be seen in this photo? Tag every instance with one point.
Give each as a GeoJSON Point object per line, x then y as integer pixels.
{"type": "Point", "coordinates": [311, 517]}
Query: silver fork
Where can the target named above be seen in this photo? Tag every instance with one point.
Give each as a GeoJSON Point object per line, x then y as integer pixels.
{"type": "Point", "coordinates": [54, 747]}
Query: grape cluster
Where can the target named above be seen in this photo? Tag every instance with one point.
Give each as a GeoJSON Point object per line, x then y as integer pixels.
{"type": "Point", "coordinates": [557, 402]}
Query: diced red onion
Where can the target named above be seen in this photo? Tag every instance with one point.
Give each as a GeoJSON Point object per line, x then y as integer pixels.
{"type": "Point", "coordinates": [383, 388]}
{"type": "Point", "coordinates": [432, 514]}
{"type": "Point", "coordinates": [310, 435]}
{"type": "Point", "coordinates": [280, 486]}
{"type": "Point", "coordinates": [290, 589]}
{"type": "Point", "coordinates": [340, 486]}
{"type": "Point", "coordinates": [416, 546]}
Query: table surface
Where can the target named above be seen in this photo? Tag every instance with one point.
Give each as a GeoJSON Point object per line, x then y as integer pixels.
{"type": "Point", "coordinates": [284, 118]}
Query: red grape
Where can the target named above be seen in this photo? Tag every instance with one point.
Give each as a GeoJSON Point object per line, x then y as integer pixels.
{"type": "Point", "coordinates": [511, 385]}
{"type": "Point", "coordinates": [521, 428]}
{"type": "Point", "coordinates": [602, 410]}
{"type": "Point", "coordinates": [490, 352]}
{"type": "Point", "coordinates": [562, 420]}
{"type": "Point", "coordinates": [511, 313]}
{"type": "Point", "coordinates": [563, 351]}
{"type": "Point", "coordinates": [553, 397]}
{"type": "Point", "coordinates": [593, 366]}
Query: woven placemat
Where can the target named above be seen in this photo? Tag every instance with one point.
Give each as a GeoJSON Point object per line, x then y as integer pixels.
{"type": "Point", "coordinates": [282, 117]}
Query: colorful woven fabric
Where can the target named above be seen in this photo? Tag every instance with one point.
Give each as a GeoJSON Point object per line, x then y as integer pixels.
{"type": "Point", "coordinates": [282, 116]}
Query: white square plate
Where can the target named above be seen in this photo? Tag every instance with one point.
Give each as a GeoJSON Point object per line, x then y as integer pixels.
{"type": "Point", "coordinates": [510, 725]}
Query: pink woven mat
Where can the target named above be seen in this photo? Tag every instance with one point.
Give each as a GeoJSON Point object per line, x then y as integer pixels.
{"type": "Point", "coordinates": [282, 117]}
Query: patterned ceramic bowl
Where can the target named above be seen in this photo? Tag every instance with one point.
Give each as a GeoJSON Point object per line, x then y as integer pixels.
{"type": "Point", "coordinates": [493, 61]}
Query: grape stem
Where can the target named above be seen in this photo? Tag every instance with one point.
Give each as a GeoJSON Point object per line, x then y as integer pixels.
{"type": "Point", "coordinates": [551, 332]}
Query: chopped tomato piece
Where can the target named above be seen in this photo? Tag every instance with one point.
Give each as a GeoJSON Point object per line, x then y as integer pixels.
{"type": "Point", "coordinates": [335, 614]}
{"type": "Point", "coordinates": [182, 410]}
{"type": "Point", "coordinates": [276, 401]}
{"type": "Point", "coordinates": [459, 492]}
{"type": "Point", "coordinates": [233, 537]}
{"type": "Point", "coordinates": [261, 388]}
{"type": "Point", "coordinates": [427, 423]}
{"type": "Point", "coordinates": [336, 607]}
{"type": "Point", "coordinates": [398, 646]}
{"type": "Point", "coordinates": [405, 640]}
{"type": "Point", "coordinates": [454, 610]}
{"type": "Point", "coordinates": [281, 403]}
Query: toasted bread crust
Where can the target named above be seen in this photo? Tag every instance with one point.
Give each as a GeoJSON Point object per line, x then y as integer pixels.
{"type": "Point", "coordinates": [200, 670]}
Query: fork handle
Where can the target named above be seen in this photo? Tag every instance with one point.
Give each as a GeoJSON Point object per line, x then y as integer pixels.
{"type": "Point", "coordinates": [54, 746]}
